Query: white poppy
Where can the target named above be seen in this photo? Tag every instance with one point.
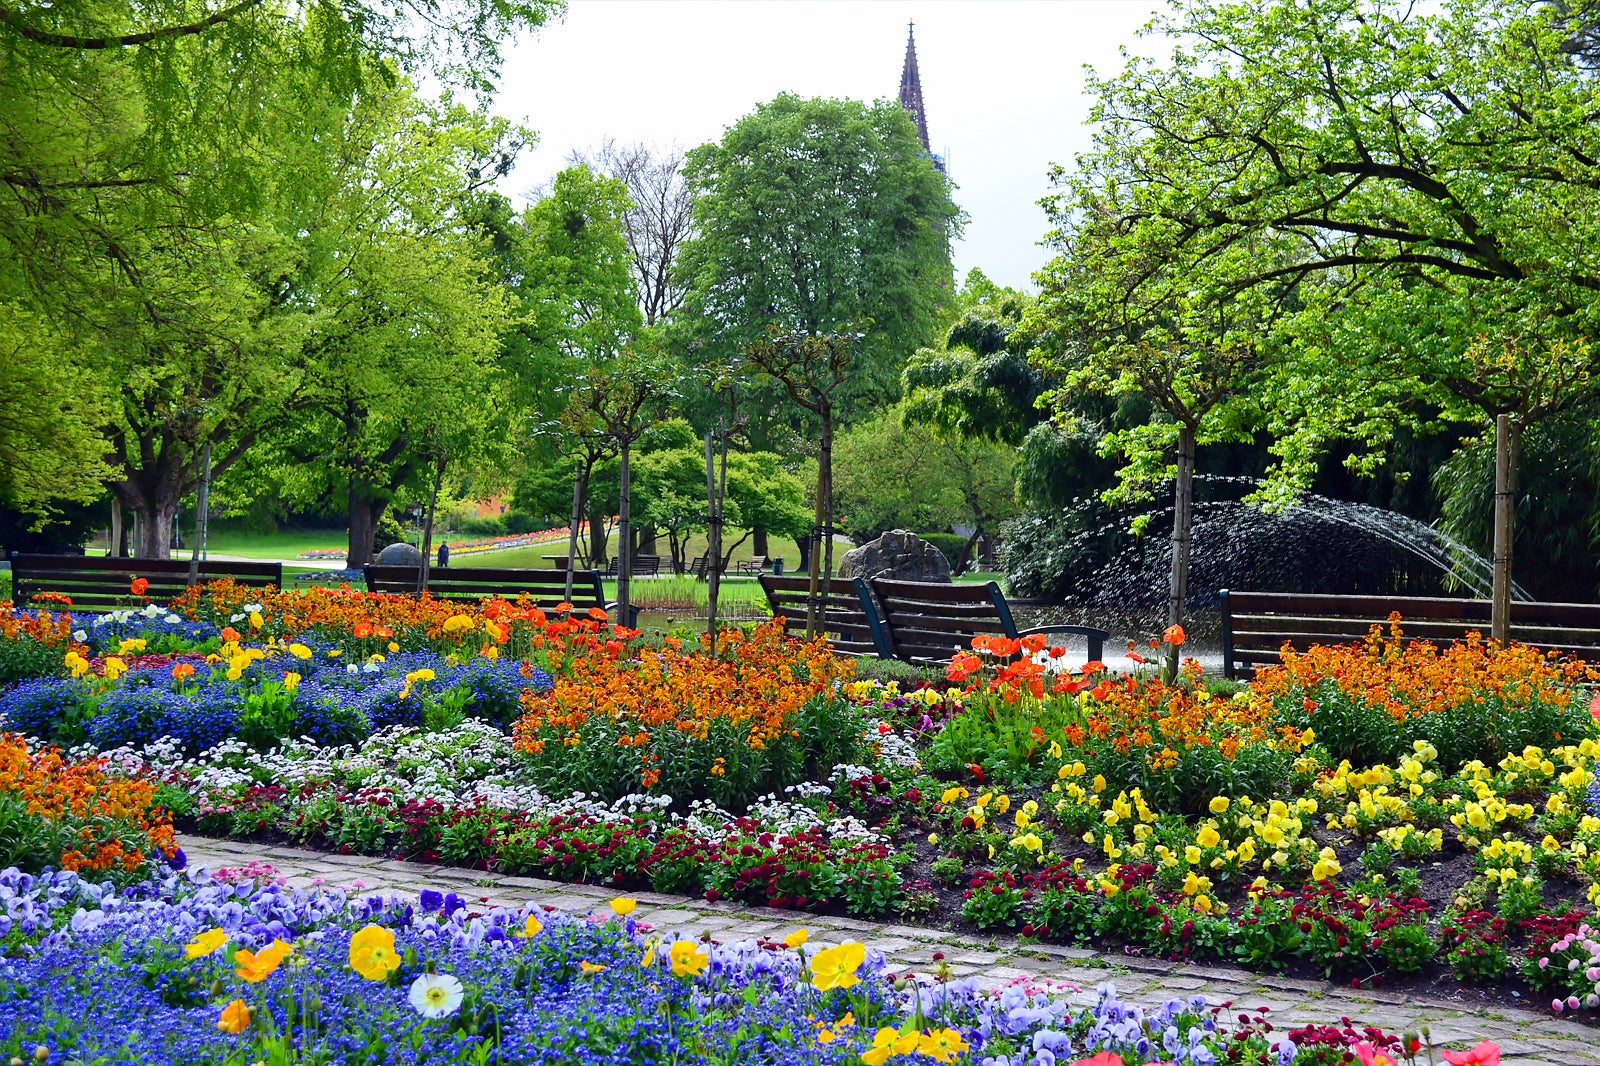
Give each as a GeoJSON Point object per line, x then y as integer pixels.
{"type": "Point", "coordinates": [435, 995]}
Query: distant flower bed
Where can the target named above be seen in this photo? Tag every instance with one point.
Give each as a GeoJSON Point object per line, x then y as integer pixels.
{"type": "Point", "coordinates": [236, 968]}
{"type": "Point", "coordinates": [467, 546]}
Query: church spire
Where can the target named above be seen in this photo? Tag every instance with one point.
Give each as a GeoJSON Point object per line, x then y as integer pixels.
{"type": "Point", "coordinates": [911, 89]}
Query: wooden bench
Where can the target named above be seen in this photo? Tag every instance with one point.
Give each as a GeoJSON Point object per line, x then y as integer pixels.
{"type": "Point", "coordinates": [643, 566]}
{"type": "Point", "coordinates": [927, 621]}
{"type": "Point", "coordinates": [546, 588]}
{"type": "Point", "coordinates": [756, 564]}
{"type": "Point", "coordinates": [848, 619]}
{"type": "Point", "coordinates": [99, 583]}
{"type": "Point", "coordinates": [1256, 625]}
{"type": "Point", "coordinates": [698, 568]}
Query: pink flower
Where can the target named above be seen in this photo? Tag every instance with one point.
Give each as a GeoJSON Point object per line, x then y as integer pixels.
{"type": "Point", "coordinates": [1487, 1053]}
{"type": "Point", "coordinates": [1594, 707]}
{"type": "Point", "coordinates": [1105, 1058]}
{"type": "Point", "coordinates": [1371, 1056]}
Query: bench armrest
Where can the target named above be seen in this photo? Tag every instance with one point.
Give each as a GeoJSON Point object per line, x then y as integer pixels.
{"type": "Point", "coordinates": [1097, 637]}
{"type": "Point", "coordinates": [632, 621]}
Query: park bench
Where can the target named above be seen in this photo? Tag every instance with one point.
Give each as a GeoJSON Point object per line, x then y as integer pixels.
{"type": "Point", "coordinates": [643, 566]}
{"type": "Point", "coordinates": [546, 588]}
{"type": "Point", "coordinates": [1256, 625]}
{"type": "Point", "coordinates": [697, 569]}
{"type": "Point", "coordinates": [100, 583]}
{"type": "Point", "coordinates": [756, 564]}
{"type": "Point", "coordinates": [928, 622]}
{"type": "Point", "coordinates": [848, 619]}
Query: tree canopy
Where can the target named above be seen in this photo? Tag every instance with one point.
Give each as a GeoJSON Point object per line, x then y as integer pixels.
{"type": "Point", "coordinates": [814, 216]}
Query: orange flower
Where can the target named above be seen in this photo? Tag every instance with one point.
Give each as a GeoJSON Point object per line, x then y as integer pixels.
{"type": "Point", "coordinates": [1173, 635]}
{"type": "Point", "coordinates": [182, 670]}
{"type": "Point", "coordinates": [139, 585]}
{"type": "Point", "coordinates": [116, 822]}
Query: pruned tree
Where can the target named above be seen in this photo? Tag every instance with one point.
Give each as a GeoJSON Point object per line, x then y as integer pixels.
{"type": "Point", "coordinates": [811, 368]}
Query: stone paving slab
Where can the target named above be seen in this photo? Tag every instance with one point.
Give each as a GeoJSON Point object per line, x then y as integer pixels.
{"type": "Point", "coordinates": [1527, 1038]}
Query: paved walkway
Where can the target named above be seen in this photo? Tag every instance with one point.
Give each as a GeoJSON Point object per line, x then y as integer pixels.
{"type": "Point", "coordinates": [1528, 1038]}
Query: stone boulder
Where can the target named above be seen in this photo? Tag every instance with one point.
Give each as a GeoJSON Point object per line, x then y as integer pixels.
{"type": "Point", "coordinates": [400, 555]}
{"type": "Point", "coordinates": [899, 555]}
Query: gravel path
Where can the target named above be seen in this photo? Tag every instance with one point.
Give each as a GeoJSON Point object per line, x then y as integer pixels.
{"type": "Point", "coordinates": [1528, 1038]}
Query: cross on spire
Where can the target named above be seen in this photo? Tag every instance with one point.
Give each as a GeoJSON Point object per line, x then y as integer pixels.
{"type": "Point", "coordinates": [911, 89]}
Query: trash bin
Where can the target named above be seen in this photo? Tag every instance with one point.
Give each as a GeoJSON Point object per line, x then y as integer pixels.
{"type": "Point", "coordinates": [777, 567]}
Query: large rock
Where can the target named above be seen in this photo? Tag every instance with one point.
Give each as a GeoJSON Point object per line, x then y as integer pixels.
{"type": "Point", "coordinates": [899, 555]}
{"type": "Point", "coordinates": [400, 555]}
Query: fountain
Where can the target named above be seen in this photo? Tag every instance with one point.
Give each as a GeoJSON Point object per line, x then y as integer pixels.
{"type": "Point", "coordinates": [1104, 573]}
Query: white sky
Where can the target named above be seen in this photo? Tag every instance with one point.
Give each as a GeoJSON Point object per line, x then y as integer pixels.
{"type": "Point", "coordinates": [1002, 83]}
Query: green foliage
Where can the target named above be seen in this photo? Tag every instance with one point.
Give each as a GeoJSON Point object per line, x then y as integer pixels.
{"type": "Point", "coordinates": [890, 473]}
{"type": "Point", "coordinates": [1362, 192]}
{"type": "Point", "coordinates": [864, 222]}
{"type": "Point", "coordinates": [51, 445]}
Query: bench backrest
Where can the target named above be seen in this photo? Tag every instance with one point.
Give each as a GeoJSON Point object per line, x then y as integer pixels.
{"type": "Point", "coordinates": [545, 587]}
{"type": "Point", "coordinates": [934, 620]}
{"type": "Point", "coordinates": [849, 622]}
{"type": "Point", "coordinates": [101, 583]}
{"type": "Point", "coordinates": [1255, 625]}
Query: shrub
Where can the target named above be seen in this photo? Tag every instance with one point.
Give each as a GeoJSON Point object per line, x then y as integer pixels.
{"type": "Point", "coordinates": [951, 546]}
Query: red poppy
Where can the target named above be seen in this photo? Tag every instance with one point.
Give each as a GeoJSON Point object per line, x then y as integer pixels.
{"type": "Point", "coordinates": [139, 585]}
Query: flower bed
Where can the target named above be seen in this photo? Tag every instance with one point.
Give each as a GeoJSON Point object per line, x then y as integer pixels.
{"type": "Point", "coordinates": [56, 812]}
{"type": "Point", "coordinates": [1192, 819]}
{"type": "Point", "coordinates": [236, 968]}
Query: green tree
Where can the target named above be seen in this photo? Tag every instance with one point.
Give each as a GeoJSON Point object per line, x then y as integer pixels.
{"type": "Point", "coordinates": [893, 473]}
{"type": "Point", "coordinates": [150, 154]}
{"type": "Point", "coordinates": [51, 447]}
{"type": "Point", "coordinates": [1420, 183]}
{"type": "Point", "coordinates": [579, 314]}
{"type": "Point", "coordinates": [812, 216]}
{"type": "Point", "coordinates": [401, 367]}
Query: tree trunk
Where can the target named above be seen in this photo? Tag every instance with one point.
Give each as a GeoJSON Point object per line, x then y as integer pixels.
{"type": "Point", "coordinates": [155, 528]}
{"type": "Point", "coordinates": [758, 542]}
{"type": "Point", "coordinates": [648, 536]}
{"type": "Point", "coordinates": [966, 552]}
{"type": "Point", "coordinates": [598, 537]}
{"type": "Point", "coordinates": [201, 503]}
{"type": "Point", "coordinates": [579, 484]}
{"type": "Point", "coordinates": [624, 536]}
{"type": "Point", "coordinates": [814, 556]}
{"type": "Point", "coordinates": [1182, 522]}
{"type": "Point", "coordinates": [364, 514]}
{"type": "Point", "coordinates": [117, 542]}
{"type": "Point", "coordinates": [427, 529]}
{"type": "Point", "coordinates": [825, 472]}
{"type": "Point", "coordinates": [1507, 437]}
{"type": "Point", "coordinates": [714, 539]}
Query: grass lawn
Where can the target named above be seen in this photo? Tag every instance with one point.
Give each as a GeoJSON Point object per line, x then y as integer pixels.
{"type": "Point", "coordinates": [780, 547]}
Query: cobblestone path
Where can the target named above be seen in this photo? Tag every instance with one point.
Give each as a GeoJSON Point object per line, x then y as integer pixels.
{"type": "Point", "coordinates": [1528, 1038]}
